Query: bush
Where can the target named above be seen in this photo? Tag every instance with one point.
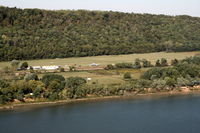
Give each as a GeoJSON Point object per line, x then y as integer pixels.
{"type": "Point", "coordinates": [146, 63]}
{"type": "Point", "coordinates": [124, 65]}
{"type": "Point", "coordinates": [80, 93]}
{"type": "Point", "coordinates": [141, 83]}
{"type": "Point", "coordinates": [158, 84]}
{"type": "Point", "coordinates": [164, 62]}
{"type": "Point", "coordinates": [158, 63]}
{"type": "Point", "coordinates": [188, 69]}
{"type": "Point", "coordinates": [3, 84]}
{"type": "Point", "coordinates": [155, 72]}
{"type": "Point", "coordinates": [171, 82]}
{"type": "Point", "coordinates": [56, 86]}
{"type": "Point", "coordinates": [170, 72]}
{"type": "Point", "coordinates": [127, 75]}
{"type": "Point", "coordinates": [53, 96]}
{"type": "Point", "coordinates": [24, 65]}
{"type": "Point", "coordinates": [37, 92]}
{"type": "Point", "coordinates": [137, 64]}
{"type": "Point", "coordinates": [74, 82]}
{"type": "Point", "coordinates": [62, 69]}
{"type": "Point", "coordinates": [174, 62]}
{"type": "Point", "coordinates": [6, 95]}
{"type": "Point", "coordinates": [21, 86]}
{"type": "Point", "coordinates": [15, 64]}
{"type": "Point", "coordinates": [182, 82]}
{"type": "Point", "coordinates": [68, 93]}
{"type": "Point", "coordinates": [109, 67]}
{"type": "Point", "coordinates": [192, 60]}
{"type": "Point", "coordinates": [30, 76]}
{"type": "Point", "coordinates": [47, 78]}
{"type": "Point", "coordinates": [19, 96]}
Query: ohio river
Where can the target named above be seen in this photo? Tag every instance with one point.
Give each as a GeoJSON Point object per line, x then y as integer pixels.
{"type": "Point", "coordinates": [174, 114]}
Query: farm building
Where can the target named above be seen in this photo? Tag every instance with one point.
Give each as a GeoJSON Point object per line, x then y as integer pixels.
{"type": "Point", "coordinates": [50, 67]}
{"type": "Point", "coordinates": [36, 67]}
{"type": "Point", "coordinates": [94, 64]}
{"type": "Point", "coordinates": [45, 67]}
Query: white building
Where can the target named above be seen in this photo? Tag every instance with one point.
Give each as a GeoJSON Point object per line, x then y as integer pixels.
{"type": "Point", "coordinates": [94, 64]}
{"type": "Point", "coordinates": [36, 67]}
{"type": "Point", "coordinates": [50, 67]}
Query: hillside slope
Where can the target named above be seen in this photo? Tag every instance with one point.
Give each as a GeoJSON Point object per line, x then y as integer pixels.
{"type": "Point", "coordinates": [37, 34]}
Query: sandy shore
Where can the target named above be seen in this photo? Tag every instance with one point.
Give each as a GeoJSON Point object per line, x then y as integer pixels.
{"type": "Point", "coordinates": [14, 106]}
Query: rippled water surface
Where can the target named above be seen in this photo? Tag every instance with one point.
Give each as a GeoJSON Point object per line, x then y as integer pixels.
{"type": "Point", "coordinates": [175, 114]}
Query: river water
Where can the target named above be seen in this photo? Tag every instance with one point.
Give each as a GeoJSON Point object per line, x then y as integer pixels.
{"type": "Point", "coordinates": [174, 114]}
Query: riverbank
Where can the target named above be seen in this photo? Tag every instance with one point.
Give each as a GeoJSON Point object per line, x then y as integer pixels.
{"type": "Point", "coordinates": [14, 106]}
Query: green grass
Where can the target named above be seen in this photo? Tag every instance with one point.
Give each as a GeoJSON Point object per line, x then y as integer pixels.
{"type": "Point", "coordinates": [107, 59]}
{"type": "Point", "coordinates": [107, 77]}
{"type": "Point", "coordinates": [103, 76]}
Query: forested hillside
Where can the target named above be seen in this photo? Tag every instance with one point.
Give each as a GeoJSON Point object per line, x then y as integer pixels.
{"type": "Point", "coordinates": [36, 34]}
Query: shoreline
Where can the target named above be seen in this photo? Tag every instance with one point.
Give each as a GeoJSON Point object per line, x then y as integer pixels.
{"type": "Point", "coordinates": [130, 95]}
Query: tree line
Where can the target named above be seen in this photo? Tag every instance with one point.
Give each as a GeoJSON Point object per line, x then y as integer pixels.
{"type": "Point", "coordinates": [37, 34]}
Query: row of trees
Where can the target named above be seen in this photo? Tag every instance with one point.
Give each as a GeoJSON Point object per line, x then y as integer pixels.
{"type": "Point", "coordinates": [138, 63]}
{"type": "Point", "coordinates": [50, 87]}
{"type": "Point", "coordinates": [37, 34]}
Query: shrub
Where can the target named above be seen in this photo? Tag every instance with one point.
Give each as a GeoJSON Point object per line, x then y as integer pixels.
{"type": "Point", "coordinates": [137, 64]}
{"type": "Point", "coordinates": [158, 84]}
{"type": "Point", "coordinates": [74, 82]}
{"type": "Point", "coordinates": [164, 62]}
{"type": "Point", "coordinates": [62, 69]}
{"type": "Point", "coordinates": [170, 72]}
{"type": "Point", "coordinates": [15, 64]}
{"type": "Point", "coordinates": [53, 96]}
{"type": "Point", "coordinates": [188, 69]}
{"type": "Point", "coordinates": [37, 92]}
{"type": "Point", "coordinates": [141, 83]}
{"type": "Point", "coordinates": [146, 63]}
{"type": "Point", "coordinates": [21, 86]}
{"type": "Point", "coordinates": [80, 93]}
{"type": "Point", "coordinates": [68, 93]}
{"type": "Point", "coordinates": [182, 81]}
{"type": "Point", "coordinates": [127, 75]}
{"type": "Point", "coordinates": [174, 62]}
{"type": "Point", "coordinates": [56, 85]}
{"type": "Point", "coordinates": [47, 78]}
{"type": "Point", "coordinates": [109, 67]}
{"type": "Point", "coordinates": [24, 65]}
{"type": "Point", "coordinates": [155, 72]}
{"type": "Point", "coordinates": [6, 95]}
{"type": "Point", "coordinates": [30, 76]}
{"type": "Point", "coordinates": [3, 83]}
{"type": "Point", "coordinates": [158, 63]}
{"type": "Point", "coordinates": [72, 68]}
{"type": "Point", "coordinates": [124, 65]}
{"type": "Point", "coordinates": [193, 60]}
{"type": "Point", "coordinates": [171, 82]}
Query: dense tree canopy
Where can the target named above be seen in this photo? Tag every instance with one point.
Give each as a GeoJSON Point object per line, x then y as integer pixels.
{"type": "Point", "coordinates": [36, 34]}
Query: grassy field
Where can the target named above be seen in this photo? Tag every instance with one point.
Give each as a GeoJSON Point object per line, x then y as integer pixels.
{"type": "Point", "coordinates": [102, 76]}
{"type": "Point", "coordinates": [107, 77]}
{"type": "Point", "coordinates": [107, 59]}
